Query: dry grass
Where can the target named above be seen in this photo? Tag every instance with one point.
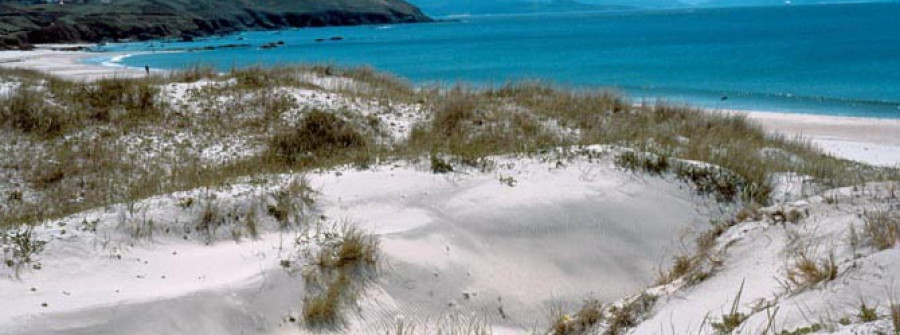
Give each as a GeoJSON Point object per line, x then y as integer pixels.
{"type": "Point", "coordinates": [356, 249]}
{"type": "Point", "coordinates": [323, 310]}
{"type": "Point", "coordinates": [341, 270]}
{"type": "Point", "coordinates": [582, 322]}
{"type": "Point", "coordinates": [682, 266]}
{"type": "Point", "coordinates": [292, 202]}
{"type": "Point", "coordinates": [895, 317]}
{"type": "Point", "coordinates": [454, 324]}
{"type": "Point", "coordinates": [733, 319]}
{"type": "Point", "coordinates": [882, 228]}
{"type": "Point", "coordinates": [807, 271]}
{"type": "Point", "coordinates": [621, 318]}
{"type": "Point", "coordinates": [78, 160]}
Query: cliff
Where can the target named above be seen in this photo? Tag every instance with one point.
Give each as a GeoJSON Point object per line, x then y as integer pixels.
{"type": "Point", "coordinates": [23, 24]}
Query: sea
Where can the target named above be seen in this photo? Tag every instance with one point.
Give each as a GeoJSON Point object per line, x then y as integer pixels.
{"type": "Point", "coordinates": [818, 59]}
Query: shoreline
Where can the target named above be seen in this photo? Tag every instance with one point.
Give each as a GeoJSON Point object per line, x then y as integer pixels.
{"type": "Point", "coordinates": [870, 140]}
{"type": "Point", "coordinates": [67, 64]}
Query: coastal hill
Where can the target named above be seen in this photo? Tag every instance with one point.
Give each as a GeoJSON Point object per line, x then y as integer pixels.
{"type": "Point", "coordinates": [23, 23]}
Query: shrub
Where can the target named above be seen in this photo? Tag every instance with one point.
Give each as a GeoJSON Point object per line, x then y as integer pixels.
{"type": "Point", "coordinates": [709, 180]}
{"type": "Point", "coordinates": [866, 313]}
{"type": "Point", "coordinates": [319, 134]}
{"type": "Point", "coordinates": [292, 201]}
{"type": "Point", "coordinates": [20, 245]}
{"type": "Point", "coordinates": [108, 100]}
{"type": "Point", "coordinates": [439, 165]}
{"type": "Point", "coordinates": [210, 220]}
{"type": "Point", "coordinates": [653, 164]}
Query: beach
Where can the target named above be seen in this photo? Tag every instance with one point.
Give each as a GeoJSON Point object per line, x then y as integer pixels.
{"type": "Point", "coordinates": [870, 140]}
{"type": "Point", "coordinates": [64, 64]}
{"type": "Point", "coordinates": [502, 240]}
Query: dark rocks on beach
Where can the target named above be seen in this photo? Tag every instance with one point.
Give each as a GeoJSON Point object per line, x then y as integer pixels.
{"type": "Point", "coordinates": [334, 38]}
{"type": "Point", "coordinates": [271, 45]}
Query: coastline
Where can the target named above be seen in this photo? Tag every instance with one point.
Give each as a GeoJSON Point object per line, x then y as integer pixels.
{"type": "Point", "coordinates": [865, 139]}
{"type": "Point", "coordinates": [67, 64]}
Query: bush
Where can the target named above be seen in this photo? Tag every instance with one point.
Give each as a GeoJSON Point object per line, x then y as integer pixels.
{"type": "Point", "coordinates": [318, 135]}
{"type": "Point", "coordinates": [653, 164]}
{"type": "Point", "coordinates": [110, 100]}
{"type": "Point", "coordinates": [20, 246]}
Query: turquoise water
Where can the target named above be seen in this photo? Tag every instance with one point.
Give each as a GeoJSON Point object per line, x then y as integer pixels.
{"type": "Point", "coordinates": [828, 59]}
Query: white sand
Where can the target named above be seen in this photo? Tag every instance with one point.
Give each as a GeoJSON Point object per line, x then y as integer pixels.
{"type": "Point", "coordinates": [65, 64]}
{"type": "Point", "coordinates": [870, 140]}
{"type": "Point", "coordinates": [561, 232]}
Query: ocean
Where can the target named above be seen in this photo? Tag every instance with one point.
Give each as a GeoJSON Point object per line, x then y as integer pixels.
{"type": "Point", "coordinates": [823, 59]}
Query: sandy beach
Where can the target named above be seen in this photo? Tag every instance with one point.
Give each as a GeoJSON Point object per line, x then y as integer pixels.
{"type": "Point", "coordinates": [870, 140]}
{"type": "Point", "coordinates": [65, 64]}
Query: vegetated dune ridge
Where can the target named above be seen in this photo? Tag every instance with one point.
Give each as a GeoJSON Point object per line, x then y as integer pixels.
{"type": "Point", "coordinates": [24, 25]}
{"type": "Point", "coordinates": [486, 206]}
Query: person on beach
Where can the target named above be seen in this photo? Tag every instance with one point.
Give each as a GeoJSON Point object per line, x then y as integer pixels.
{"type": "Point", "coordinates": [147, 69]}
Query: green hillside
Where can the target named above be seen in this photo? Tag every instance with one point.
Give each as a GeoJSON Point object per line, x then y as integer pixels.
{"type": "Point", "coordinates": [23, 23]}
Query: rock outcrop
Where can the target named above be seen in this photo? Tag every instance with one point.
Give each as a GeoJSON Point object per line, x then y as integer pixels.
{"type": "Point", "coordinates": [22, 25]}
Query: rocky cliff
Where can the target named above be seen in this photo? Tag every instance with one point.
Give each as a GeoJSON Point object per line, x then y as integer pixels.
{"type": "Point", "coordinates": [23, 24]}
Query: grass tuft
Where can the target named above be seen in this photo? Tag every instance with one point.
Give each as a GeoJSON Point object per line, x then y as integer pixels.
{"type": "Point", "coordinates": [733, 319]}
{"type": "Point", "coordinates": [340, 272]}
{"type": "Point", "coordinates": [882, 228]}
{"type": "Point", "coordinates": [807, 271]}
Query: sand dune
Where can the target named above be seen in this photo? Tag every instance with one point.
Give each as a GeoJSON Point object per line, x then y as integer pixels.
{"type": "Point", "coordinates": [460, 243]}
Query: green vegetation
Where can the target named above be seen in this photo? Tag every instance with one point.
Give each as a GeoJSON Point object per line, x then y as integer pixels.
{"type": "Point", "coordinates": [95, 21]}
{"type": "Point", "coordinates": [20, 247]}
{"type": "Point", "coordinates": [319, 135]}
{"type": "Point", "coordinates": [866, 313]}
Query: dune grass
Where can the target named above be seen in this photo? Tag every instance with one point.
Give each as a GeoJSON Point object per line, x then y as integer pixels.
{"type": "Point", "coordinates": [71, 153]}
{"type": "Point", "coordinates": [339, 273]}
